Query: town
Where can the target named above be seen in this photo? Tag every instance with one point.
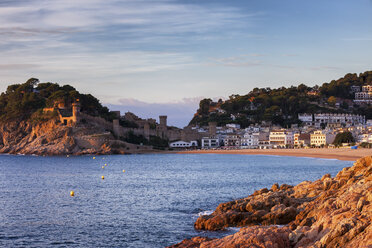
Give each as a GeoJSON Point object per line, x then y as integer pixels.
{"type": "Point", "coordinates": [318, 130]}
{"type": "Point", "coordinates": [314, 130]}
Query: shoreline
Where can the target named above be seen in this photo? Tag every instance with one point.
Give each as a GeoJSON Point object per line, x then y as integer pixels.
{"type": "Point", "coordinates": [345, 154]}
{"type": "Point", "coordinates": [311, 213]}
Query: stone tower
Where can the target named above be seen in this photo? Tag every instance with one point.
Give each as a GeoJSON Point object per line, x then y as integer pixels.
{"type": "Point", "coordinates": [116, 127]}
{"type": "Point", "coordinates": [212, 129]}
{"type": "Point", "coordinates": [76, 111]}
{"type": "Point", "coordinates": [146, 130]}
{"type": "Point", "coordinates": [161, 129]}
{"type": "Point", "coordinates": [163, 120]}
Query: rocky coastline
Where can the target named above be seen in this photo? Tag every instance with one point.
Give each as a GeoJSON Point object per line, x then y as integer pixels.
{"type": "Point", "coordinates": [51, 138]}
{"type": "Point", "coordinates": [329, 212]}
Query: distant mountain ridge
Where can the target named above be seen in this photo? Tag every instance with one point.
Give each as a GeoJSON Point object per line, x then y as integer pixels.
{"type": "Point", "coordinates": [281, 106]}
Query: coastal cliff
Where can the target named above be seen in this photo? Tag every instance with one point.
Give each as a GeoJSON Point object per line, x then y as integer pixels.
{"type": "Point", "coordinates": [53, 138]}
{"type": "Point", "coordinates": [50, 119]}
{"type": "Point", "coordinates": [329, 212]}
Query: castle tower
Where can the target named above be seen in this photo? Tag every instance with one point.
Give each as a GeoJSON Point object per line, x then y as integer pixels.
{"type": "Point", "coordinates": [212, 129]}
{"type": "Point", "coordinates": [163, 120]}
{"type": "Point", "coordinates": [116, 127]}
{"type": "Point", "coordinates": [161, 129]}
{"type": "Point", "coordinates": [146, 130]}
{"type": "Point", "coordinates": [76, 111]}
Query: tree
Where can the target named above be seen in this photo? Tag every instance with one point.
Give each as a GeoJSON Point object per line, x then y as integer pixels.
{"type": "Point", "coordinates": [345, 137]}
{"type": "Point", "coordinates": [21, 101]}
{"type": "Point", "coordinates": [344, 105]}
{"type": "Point", "coordinates": [332, 100]}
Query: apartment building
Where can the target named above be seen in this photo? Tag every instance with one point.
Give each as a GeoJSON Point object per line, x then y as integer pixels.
{"type": "Point", "coordinates": [281, 138]}
{"type": "Point", "coordinates": [364, 96]}
{"type": "Point", "coordinates": [321, 138]}
{"type": "Point", "coordinates": [210, 142]}
{"type": "Point", "coordinates": [249, 140]}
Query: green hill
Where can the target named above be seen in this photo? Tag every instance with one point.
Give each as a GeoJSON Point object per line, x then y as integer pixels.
{"type": "Point", "coordinates": [281, 106]}
{"type": "Point", "coordinates": [26, 101]}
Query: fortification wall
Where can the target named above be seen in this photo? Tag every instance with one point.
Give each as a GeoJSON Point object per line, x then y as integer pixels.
{"type": "Point", "coordinates": [95, 141]}
{"type": "Point", "coordinates": [97, 120]}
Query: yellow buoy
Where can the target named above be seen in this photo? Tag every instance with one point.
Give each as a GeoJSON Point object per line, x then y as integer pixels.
{"type": "Point", "coordinates": [94, 157]}
{"type": "Point", "coordinates": [103, 177]}
{"type": "Point", "coordinates": [105, 164]}
{"type": "Point", "coordinates": [72, 193]}
{"type": "Point", "coordinates": [123, 171]}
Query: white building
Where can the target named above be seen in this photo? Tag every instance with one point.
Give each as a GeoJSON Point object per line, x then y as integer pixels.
{"type": "Point", "coordinates": [346, 119]}
{"type": "Point", "coordinates": [365, 138]}
{"type": "Point", "coordinates": [365, 96]}
{"type": "Point", "coordinates": [233, 126]}
{"type": "Point", "coordinates": [281, 138]}
{"type": "Point", "coordinates": [355, 88]}
{"type": "Point", "coordinates": [208, 143]}
{"type": "Point", "coordinates": [333, 120]}
{"type": "Point", "coordinates": [231, 140]}
{"type": "Point", "coordinates": [183, 144]}
{"type": "Point", "coordinates": [252, 129]}
{"type": "Point", "coordinates": [367, 88]}
{"type": "Point", "coordinates": [321, 138]}
{"type": "Point", "coordinates": [250, 140]}
{"type": "Point", "coordinates": [307, 118]}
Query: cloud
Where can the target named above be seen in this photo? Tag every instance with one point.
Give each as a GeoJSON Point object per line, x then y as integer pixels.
{"type": "Point", "coordinates": [234, 61]}
{"type": "Point", "coordinates": [17, 66]}
{"type": "Point", "coordinates": [88, 37]}
{"type": "Point", "coordinates": [179, 113]}
{"type": "Point", "coordinates": [244, 61]}
{"type": "Point", "coordinates": [131, 19]}
{"type": "Point", "coordinates": [326, 68]}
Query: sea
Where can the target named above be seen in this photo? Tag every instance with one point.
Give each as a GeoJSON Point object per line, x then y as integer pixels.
{"type": "Point", "coordinates": [149, 200]}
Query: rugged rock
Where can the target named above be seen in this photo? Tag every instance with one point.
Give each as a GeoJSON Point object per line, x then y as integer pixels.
{"type": "Point", "coordinates": [263, 207]}
{"type": "Point", "coordinates": [53, 138]}
{"type": "Point", "coordinates": [249, 237]}
{"type": "Point", "coordinates": [329, 212]}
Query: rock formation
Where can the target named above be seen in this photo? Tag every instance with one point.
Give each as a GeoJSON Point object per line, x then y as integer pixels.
{"type": "Point", "coordinates": [53, 138]}
{"type": "Point", "coordinates": [329, 212]}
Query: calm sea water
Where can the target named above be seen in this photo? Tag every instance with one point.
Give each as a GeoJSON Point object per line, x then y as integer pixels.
{"type": "Point", "coordinates": [153, 204]}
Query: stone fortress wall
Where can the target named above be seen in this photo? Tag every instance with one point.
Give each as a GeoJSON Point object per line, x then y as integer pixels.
{"type": "Point", "coordinates": [70, 115]}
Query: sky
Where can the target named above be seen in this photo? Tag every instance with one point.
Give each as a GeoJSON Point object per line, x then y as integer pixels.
{"type": "Point", "coordinates": [155, 57]}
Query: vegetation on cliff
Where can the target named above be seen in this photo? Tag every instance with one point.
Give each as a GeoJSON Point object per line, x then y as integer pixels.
{"type": "Point", "coordinates": [281, 106]}
{"type": "Point", "coordinates": [26, 101]}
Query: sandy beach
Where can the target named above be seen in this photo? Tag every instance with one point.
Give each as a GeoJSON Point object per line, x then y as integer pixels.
{"type": "Point", "coordinates": [330, 153]}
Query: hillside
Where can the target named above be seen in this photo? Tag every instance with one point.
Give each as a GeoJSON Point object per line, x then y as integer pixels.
{"type": "Point", "coordinates": [26, 101]}
{"type": "Point", "coordinates": [49, 119]}
{"type": "Point", "coordinates": [281, 106]}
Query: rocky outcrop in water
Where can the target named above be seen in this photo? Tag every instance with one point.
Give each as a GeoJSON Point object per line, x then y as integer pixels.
{"type": "Point", "coordinates": [329, 212]}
